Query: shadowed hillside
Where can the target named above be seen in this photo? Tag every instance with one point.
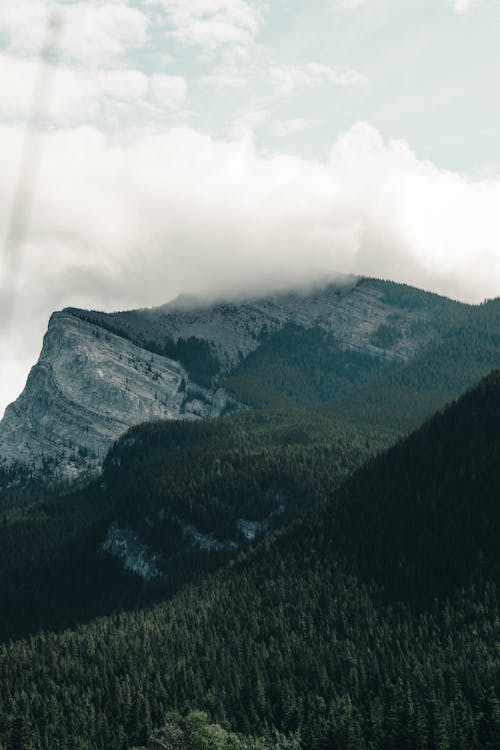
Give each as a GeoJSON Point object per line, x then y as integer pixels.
{"type": "Point", "coordinates": [296, 634]}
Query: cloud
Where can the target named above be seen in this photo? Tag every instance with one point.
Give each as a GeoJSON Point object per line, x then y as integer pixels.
{"type": "Point", "coordinates": [136, 223]}
{"type": "Point", "coordinates": [284, 128]}
{"type": "Point", "coordinates": [213, 24]}
{"type": "Point", "coordinates": [78, 96]}
{"type": "Point", "coordinates": [94, 32]}
{"type": "Point", "coordinates": [348, 3]}
{"type": "Point", "coordinates": [462, 6]}
{"type": "Point", "coordinates": [248, 121]}
{"type": "Point", "coordinates": [228, 76]}
{"type": "Point", "coordinates": [169, 91]}
{"type": "Point", "coordinates": [288, 78]}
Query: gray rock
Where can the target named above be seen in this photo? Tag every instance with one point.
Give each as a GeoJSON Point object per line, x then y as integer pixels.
{"type": "Point", "coordinates": [87, 388]}
{"type": "Point", "coordinates": [135, 556]}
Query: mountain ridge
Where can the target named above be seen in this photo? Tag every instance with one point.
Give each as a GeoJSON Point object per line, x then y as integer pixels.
{"type": "Point", "coordinates": [351, 310]}
{"type": "Point", "coordinates": [100, 373]}
{"type": "Point", "coordinates": [86, 389]}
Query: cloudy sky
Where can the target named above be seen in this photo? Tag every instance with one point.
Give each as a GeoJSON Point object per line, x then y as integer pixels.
{"type": "Point", "coordinates": [225, 147]}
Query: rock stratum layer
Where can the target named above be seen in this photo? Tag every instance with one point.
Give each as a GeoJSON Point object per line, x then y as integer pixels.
{"type": "Point", "coordinates": [87, 388]}
{"type": "Point", "coordinates": [101, 373]}
{"type": "Point", "coordinates": [353, 311]}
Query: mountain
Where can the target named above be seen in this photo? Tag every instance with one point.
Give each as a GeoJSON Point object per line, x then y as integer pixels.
{"type": "Point", "coordinates": [353, 310]}
{"type": "Point", "coordinates": [371, 622]}
{"type": "Point", "coordinates": [87, 388]}
{"type": "Point", "coordinates": [464, 353]}
{"type": "Point", "coordinates": [424, 516]}
{"type": "Point", "coordinates": [100, 373]}
{"type": "Point", "coordinates": [175, 500]}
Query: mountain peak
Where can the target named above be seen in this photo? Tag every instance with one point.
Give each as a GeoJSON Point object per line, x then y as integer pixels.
{"type": "Point", "coordinates": [100, 373]}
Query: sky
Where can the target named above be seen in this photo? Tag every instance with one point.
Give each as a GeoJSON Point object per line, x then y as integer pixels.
{"type": "Point", "coordinates": [224, 148]}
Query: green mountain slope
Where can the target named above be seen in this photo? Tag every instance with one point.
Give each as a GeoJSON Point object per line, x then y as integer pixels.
{"type": "Point", "coordinates": [295, 348]}
{"type": "Point", "coordinates": [184, 496]}
{"type": "Point", "coordinates": [421, 518]}
{"type": "Point", "coordinates": [402, 398]}
{"type": "Point", "coordinates": [195, 494]}
{"type": "Point", "coordinates": [298, 634]}
{"type": "Point", "coordinates": [368, 343]}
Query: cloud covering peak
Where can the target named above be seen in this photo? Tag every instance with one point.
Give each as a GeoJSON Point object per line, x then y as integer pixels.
{"type": "Point", "coordinates": [178, 211]}
{"type": "Point", "coordinates": [154, 147]}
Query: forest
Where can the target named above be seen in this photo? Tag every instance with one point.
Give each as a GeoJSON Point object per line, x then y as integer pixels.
{"type": "Point", "coordinates": [326, 633]}
{"type": "Point", "coordinates": [326, 562]}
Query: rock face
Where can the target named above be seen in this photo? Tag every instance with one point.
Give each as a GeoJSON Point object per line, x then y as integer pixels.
{"type": "Point", "coordinates": [101, 373]}
{"type": "Point", "coordinates": [353, 311]}
{"type": "Point", "coordinates": [88, 387]}
{"type": "Point", "coordinates": [134, 555]}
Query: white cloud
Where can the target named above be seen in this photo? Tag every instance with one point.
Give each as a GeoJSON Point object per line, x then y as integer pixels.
{"type": "Point", "coordinates": [348, 3]}
{"type": "Point", "coordinates": [169, 91]}
{"type": "Point", "coordinates": [462, 6]}
{"type": "Point", "coordinates": [136, 223]}
{"type": "Point", "coordinates": [284, 128]}
{"type": "Point", "coordinates": [229, 76]}
{"type": "Point", "coordinates": [214, 24]}
{"type": "Point", "coordinates": [78, 96]}
{"type": "Point", "coordinates": [248, 121]}
{"type": "Point", "coordinates": [288, 78]}
{"type": "Point", "coordinates": [22, 23]}
{"type": "Point", "coordinates": [94, 32]}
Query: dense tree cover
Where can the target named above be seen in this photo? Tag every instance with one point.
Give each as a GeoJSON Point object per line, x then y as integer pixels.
{"type": "Point", "coordinates": [195, 731]}
{"type": "Point", "coordinates": [218, 471]}
{"type": "Point", "coordinates": [369, 624]}
{"type": "Point", "coordinates": [296, 366]}
{"type": "Point", "coordinates": [425, 514]}
{"type": "Point", "coordinates": [412, 392]}
{"type": "Point", "coordinates": [263, 467]}
{"type": "Point", "coordinates": [302, 366]}
{"type": "Point", "coordinates": [297, 633]}
{"type": "Point", "coordinates": [195, 355]}
{"type": "Point", "coordinates": [51, 574]}
{"type": "Point", "coordinates": [20, 484]}
{"type": "Point", "coordinates": [406, 297]}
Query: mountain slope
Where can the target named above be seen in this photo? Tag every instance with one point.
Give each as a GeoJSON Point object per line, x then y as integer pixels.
{"type": "Point", "coordinates": [100, 373]}
{"type": "Point", "coordinates": [353, 311]}
{"type": "Point", "coordinates": [460, 356]}
{"type": "Point", "coordinates": [175, 501]}
{"type": "Point", "coordinates": [87, 388]}
{"type": "Point", "coordinates": [421, 518]}
{"type": "Point", "coordinates": [294, 635]}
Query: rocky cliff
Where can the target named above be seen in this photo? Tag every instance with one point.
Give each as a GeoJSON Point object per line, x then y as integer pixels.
{"type": "Point", "coordinates": [87, 388]}
{"type": "Point", "coordinates": [352, 310]}
{"type": "Point", "coordinates": [101, 373]}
